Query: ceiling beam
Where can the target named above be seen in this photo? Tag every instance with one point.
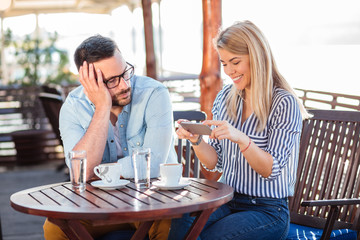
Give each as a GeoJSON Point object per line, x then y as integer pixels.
{"type": "Point", "coordinates": [24, 7]}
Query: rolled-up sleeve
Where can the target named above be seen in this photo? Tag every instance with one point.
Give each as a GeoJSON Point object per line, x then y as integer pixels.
{"type": "Point", "coordinates": [284, 127]}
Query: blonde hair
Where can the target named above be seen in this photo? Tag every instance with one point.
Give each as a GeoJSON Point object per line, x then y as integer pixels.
{"type": "Point", "coordinates": [244, 38]}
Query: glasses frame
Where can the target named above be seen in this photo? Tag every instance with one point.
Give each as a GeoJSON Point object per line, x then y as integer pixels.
{"type": "Point", "coordinates": [121, 76]}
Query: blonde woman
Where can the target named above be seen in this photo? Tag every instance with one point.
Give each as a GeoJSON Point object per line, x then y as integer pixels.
{"type": "Point", "coordinates": [256, 124]}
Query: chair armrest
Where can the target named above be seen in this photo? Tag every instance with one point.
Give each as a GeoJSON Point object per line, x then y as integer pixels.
{"type": "Point", "coordinates": [333, 213]}
{"type": "Point", "coordinates": [331, 202]}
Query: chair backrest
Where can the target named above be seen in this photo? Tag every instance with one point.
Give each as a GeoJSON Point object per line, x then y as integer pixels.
{"type": "Point", "coordinates": [52, 104]}
{"type": "Point", "coordinates": [328, 167]}
{"type": "Point", "coordinates": [190, 161]}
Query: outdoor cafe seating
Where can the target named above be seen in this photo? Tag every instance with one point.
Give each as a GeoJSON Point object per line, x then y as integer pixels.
{"type": "Point", "coordinates": [328, 169]}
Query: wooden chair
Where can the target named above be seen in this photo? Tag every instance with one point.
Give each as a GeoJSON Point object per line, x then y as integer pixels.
{"type": "Point", "coordinates": [327, 188]}
{"type": "Point", "coordinates": [52, 103]}
{"type": "Point", "coordinates": [192, 164]}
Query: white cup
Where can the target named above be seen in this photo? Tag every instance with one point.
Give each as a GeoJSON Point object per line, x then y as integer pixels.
{"type": "Point", "coordinates": [108, 172]}
{"type": "Point", "coordinates": [78, 170]}
{"type": "Point", "coordinates": [171, 173]}
{"type": "Point", "coordinates": [141, 161]}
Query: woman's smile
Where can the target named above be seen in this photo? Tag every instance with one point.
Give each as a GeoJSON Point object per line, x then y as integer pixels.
{"type": "Point", "coordinates": [237, 79]}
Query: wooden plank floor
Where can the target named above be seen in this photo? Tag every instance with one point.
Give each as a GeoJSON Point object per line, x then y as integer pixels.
{"type": "Point", "coordinates": [16, 225]}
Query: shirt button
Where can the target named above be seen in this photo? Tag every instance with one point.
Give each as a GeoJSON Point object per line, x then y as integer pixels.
{"type": "Point", "coordinates": [121, 125]}
{"type": "Point", "coordinates": [125, 149]}
{"type": "Point", "coordinates": [138, 143]}
{"type": "Point", "coordinates": [111, 140]}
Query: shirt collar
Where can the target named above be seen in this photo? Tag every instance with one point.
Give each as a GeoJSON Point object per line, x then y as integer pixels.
{"type": "Point", "coordinates": [127, 108]}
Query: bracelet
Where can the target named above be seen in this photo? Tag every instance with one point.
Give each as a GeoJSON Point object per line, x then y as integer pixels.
{"type": "Point", "coordinates": [247, 145]}
{"type": "Point", "coordinates": [197, 142]}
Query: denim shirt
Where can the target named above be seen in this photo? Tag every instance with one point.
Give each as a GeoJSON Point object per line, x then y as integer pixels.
{"type": "Point", "coordinates": [147, 121]}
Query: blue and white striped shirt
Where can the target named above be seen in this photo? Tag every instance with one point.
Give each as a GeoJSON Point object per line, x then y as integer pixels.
{"type": "Point", "coordinates": [280, 138]}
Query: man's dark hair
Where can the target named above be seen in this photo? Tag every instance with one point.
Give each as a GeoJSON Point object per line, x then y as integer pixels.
{"type": "Point", "coordinates": [93, 49]}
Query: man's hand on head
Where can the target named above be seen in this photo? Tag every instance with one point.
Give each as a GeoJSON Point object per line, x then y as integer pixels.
{"type": "Point", "coordinates": [94, 87]}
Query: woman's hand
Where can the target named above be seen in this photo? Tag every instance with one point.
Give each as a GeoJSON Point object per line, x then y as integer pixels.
{"type": "Point", "coordinates": [94, 87]}
{"type": "Point", "coordinates": [225, 130]}
{"type": "Point", "coordinates": [183, 134]}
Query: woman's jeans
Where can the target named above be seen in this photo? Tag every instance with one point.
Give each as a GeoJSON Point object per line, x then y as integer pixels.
{"type": "Point", "coordinates": [244, 217]}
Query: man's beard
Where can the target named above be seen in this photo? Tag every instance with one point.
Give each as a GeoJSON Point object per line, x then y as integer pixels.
{"type": "Point", "coordinates": [121, 102]}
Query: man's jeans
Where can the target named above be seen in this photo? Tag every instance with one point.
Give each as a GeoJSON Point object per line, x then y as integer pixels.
{"type": "Point", "coordinates": [244, 217]}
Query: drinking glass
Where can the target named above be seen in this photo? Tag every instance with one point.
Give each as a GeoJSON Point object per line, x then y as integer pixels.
{"type": "Point", "coordinates": [141, 162]}
{"type": "Point", "coordinates": [78, 170]}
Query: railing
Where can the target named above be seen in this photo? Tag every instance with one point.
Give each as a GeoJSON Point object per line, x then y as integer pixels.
{"type": "Point", "coordinates": [328, 100]}
{"type": "Point", "coordinates": [184, 91]}
{"type": "Point", "coordinates": [20, 109]}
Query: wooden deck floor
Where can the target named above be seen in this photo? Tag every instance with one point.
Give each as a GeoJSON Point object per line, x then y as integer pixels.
{"type": "Point", "coordinates": [16, 225]}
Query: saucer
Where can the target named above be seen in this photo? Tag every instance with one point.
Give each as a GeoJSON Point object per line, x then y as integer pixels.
{"type": "Point", "coordinates": [108, 186]}
{"type": "Point", "coordinates": [183, 183]}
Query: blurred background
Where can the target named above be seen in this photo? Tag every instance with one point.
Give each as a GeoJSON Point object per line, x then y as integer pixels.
{"type": "Point", "coordinates": [316, 43]}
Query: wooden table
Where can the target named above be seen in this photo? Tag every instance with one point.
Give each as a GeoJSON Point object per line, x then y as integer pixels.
{"type": "Point", "coordinates": [66, 208]}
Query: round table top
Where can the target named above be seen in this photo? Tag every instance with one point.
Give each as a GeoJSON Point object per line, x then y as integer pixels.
{"type": "Point", "coordinates": [60, 201]}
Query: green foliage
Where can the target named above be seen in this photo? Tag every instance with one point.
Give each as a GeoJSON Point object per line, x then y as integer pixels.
{"type": "Point", "coordinates": [7, 40]}
{"type": "Point", "coordinates": [41, 61]}
{"type": "Point", "coordinates": [7, 37]}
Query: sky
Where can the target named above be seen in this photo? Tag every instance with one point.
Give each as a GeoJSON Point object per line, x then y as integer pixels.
{"type": "Point", "coordinates": [316, 43]}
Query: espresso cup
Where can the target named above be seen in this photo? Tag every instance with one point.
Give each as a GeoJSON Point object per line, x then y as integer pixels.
{"type": "Point", "coordinates": [171, 173]}
{"type": "Point", "coordinates": [108, 172]}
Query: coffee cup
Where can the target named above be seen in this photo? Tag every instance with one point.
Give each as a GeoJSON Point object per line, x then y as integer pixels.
{"type": "Point", "coordinates": [108, 172]}
{"type": "Point", "coordinates": [171, 173]}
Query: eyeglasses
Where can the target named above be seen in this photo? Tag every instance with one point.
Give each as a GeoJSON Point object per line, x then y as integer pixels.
{"type": "Point", "coordinates": [126, 75]}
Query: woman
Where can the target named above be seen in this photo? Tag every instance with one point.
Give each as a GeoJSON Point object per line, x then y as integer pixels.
{"type": "Point", "coordinates": [256, 124]}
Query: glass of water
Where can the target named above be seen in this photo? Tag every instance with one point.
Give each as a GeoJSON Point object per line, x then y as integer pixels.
{"type": "Point", "coordinates": [78, 170]}
{"type": "Point", "coordinates": [141, 162]}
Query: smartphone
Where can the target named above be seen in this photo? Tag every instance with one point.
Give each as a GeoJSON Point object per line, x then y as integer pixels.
{"type": "Point", "coordinates": [196, 128]}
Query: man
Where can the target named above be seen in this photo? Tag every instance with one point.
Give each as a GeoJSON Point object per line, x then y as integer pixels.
{"type": "Point", "coordinates": [110, 113]}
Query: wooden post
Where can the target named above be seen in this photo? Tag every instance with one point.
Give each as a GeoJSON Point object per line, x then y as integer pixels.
{"type": "Point", "coordinates": [149, 39]}
{"type": "Point", "coordinates": [210, 81]}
